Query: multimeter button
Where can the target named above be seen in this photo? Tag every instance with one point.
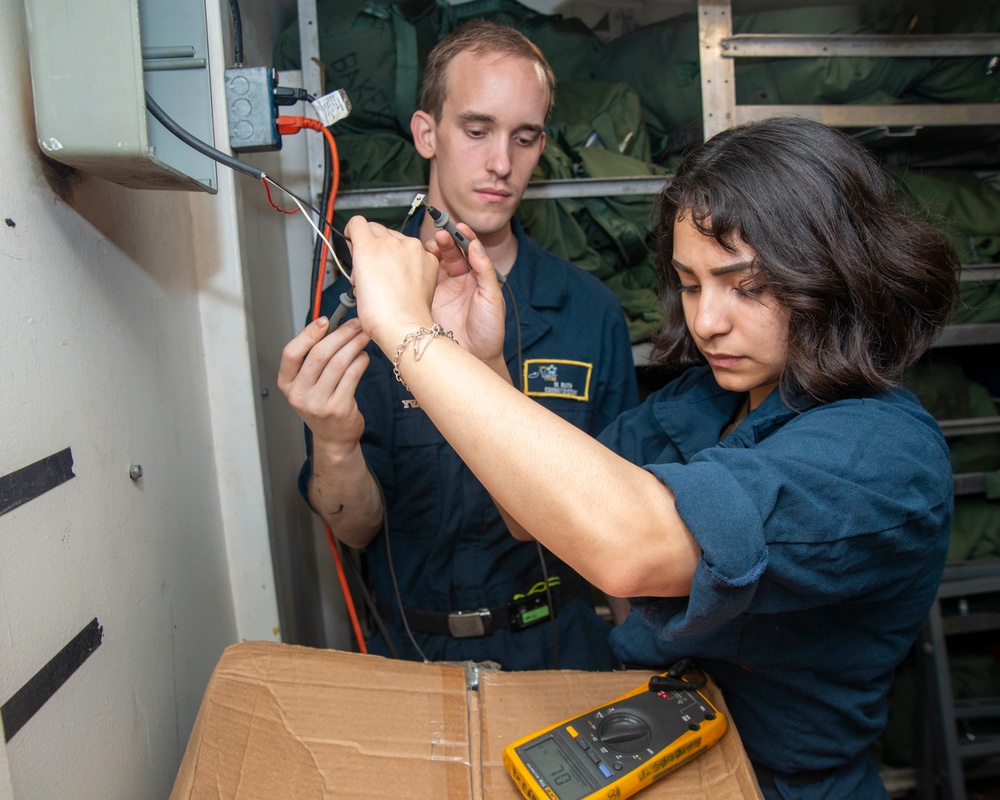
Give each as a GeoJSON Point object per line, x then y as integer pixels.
{"type": "Point", "coordinates": [604, 770]}
{"type": "Point", "coordinates": [594, 757]}
{"type": "Point", "coordinates": [709, 714]}
{"type": "Point", "coordinates": [583, 744]}
{"type": "Point", "coordinates": [618, 766]}
{"type": "Point", "coordinates": [624, 733]}
{"type": "Point", "coordinates": [694, 726]}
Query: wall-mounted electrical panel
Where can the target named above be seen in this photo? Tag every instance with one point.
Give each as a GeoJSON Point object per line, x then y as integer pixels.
{"type": "Point", "coordinates": [92, 61]}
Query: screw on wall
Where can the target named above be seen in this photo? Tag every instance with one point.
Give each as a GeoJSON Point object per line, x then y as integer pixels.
{"type": "Point", "coordinates": [135, 471]}
{"type": "Point", "coordinates": [9, 222]}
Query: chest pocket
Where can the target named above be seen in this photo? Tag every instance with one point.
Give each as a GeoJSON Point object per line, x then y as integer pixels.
{"type": "Point", "coordinates": [415, 508]}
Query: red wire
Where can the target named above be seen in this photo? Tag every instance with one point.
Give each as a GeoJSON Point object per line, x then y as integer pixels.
{"type": "Point", "coordinates": [288, 125]}
{"type": "Point", "coordinates": [267, 188]}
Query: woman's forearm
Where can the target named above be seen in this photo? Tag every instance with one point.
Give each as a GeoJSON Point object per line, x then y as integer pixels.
{"type": "Point", "coordinates": [612, 521]}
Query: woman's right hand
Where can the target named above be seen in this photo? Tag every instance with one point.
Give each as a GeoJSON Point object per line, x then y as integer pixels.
{"type": "Point", "coordinates": [394, 280]}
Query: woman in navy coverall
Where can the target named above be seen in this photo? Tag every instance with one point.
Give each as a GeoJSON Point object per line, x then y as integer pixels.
{"type": "Point", "coordinates": [781, 511]}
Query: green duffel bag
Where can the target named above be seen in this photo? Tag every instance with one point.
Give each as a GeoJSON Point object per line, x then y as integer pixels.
{"type": "Point", "coordinates": [568, 44]}
{"type": "Point", "coordinates": [597, 130]}
{"type": "Point", "coordinates": [619, 224]}
{"type": "Point", "coordinates": [374, 51]}
{"type": "Point", "coordinates": [551, 222]}
{"type": "Point", "coordinates": [964, 206]}
{"type": "Point", "coordinates": [960, 80]}
{"type": "Point", "coordinates": [600, 114]}
{"type": "Point", "coordinates": [378, 160]}
{"type": "Point", "coordinates": [975, 529]}
{"type": "Point", "coordinates": [979, 302]}
{"type": "Point", "coordinates": [607, 236]}
{"type": "Point", "coordinates": [662, 62]}
{"type": "Point", "coordinates": [947, 393]}
{"type": "Point", "coordinates": [967, 209]}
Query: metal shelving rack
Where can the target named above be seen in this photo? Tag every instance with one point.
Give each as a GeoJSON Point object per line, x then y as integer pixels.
{"type": "Point", "coordinates": [719, 49]}
{"type": "Point", "coordinates": [942, 769]}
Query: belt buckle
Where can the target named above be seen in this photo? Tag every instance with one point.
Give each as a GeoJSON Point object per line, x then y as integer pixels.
{"type": "Point", "coordinates": [470, 624]}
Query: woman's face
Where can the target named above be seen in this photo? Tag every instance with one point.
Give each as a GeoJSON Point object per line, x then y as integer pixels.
{"type": "Point", "coordinates": [737, 325]}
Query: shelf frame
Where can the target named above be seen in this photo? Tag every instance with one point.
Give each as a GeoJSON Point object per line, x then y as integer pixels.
{"type": "Point", "coordinates": [719, 48]}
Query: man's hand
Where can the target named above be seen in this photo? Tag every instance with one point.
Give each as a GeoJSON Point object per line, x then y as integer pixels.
{"type": "Point", "coordinates": [319, 375]}
{"type": "Point", "coordinates": [468, 299]}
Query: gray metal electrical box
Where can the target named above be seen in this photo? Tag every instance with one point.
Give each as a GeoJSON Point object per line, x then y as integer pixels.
{"type": "Point", "coordinates": [92, 62]}
{"type": "Point", "coordinates": [251, 109]}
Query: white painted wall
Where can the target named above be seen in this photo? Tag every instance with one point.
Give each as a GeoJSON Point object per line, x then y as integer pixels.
{"type": "Point", "coordinates": [125, 334]}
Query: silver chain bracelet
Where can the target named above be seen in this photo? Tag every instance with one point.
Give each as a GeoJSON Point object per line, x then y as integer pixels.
{"type": "Point", "coordinates": [427, 334]}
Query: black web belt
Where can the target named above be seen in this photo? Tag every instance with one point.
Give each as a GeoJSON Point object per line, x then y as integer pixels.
{"type": "Point", "coordinates": [473, 623]}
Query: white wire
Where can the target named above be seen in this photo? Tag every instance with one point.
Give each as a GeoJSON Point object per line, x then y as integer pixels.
{"type": "Point", "coordinates": [319, 233]}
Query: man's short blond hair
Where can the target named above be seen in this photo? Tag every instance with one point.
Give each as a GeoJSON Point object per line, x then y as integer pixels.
{"type": "Point", "coordinates": [482, 38]}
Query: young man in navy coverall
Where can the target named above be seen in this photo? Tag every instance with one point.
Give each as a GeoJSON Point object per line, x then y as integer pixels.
{"type": "Point", "coordinates": [486, 95]}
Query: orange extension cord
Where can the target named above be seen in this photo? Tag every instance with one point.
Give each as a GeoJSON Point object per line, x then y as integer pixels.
{"type": "Point", "coordinates": [289, 125]}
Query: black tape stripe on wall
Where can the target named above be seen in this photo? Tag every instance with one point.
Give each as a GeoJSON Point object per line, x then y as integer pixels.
{"type": "Point", "coordinates": [32, 696]}
{"type": "Point", "coordinates": [27, 483]}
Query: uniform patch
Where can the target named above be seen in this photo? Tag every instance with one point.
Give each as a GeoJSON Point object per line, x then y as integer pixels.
{"type": "Point", "coordinates": [557, 378]}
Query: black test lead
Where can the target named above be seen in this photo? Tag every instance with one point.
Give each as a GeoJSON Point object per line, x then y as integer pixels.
{"type": "Point", "coordinates": [443, 221]}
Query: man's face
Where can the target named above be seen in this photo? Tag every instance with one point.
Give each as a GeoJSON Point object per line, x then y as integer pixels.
{"type": "Point", "coordinates": [488, 140]}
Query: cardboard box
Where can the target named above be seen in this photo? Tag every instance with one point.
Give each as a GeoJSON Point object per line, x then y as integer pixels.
{"type": "Point", "coordinates": [279, 721]}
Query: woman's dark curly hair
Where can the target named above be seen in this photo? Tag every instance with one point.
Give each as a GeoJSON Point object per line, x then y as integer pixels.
{"type": "Point", "coordinates": [867, 285]}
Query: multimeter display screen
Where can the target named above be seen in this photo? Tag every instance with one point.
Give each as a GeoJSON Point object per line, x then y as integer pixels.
{"type": "Point", "coordinates": [558, 771]}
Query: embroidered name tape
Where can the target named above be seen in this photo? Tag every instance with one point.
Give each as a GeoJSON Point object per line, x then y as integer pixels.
{"type": "Point", "coordinates": [557, 378]}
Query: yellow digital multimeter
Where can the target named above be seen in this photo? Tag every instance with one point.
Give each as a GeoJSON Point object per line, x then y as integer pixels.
{"type": "Point", "coordinates": [616, 749]}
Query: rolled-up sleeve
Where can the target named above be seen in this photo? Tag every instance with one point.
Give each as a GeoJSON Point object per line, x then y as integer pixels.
{"type": "Point", "coordinates": [731, 537]}
{"type": "Point", "coordinates": [808, 516]}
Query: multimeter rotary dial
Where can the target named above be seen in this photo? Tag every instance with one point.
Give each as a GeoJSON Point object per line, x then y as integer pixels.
{"type": "Point", "coordinates": [624, 733]}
